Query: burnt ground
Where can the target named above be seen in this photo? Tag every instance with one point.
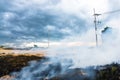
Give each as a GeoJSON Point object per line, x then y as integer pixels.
{"type": "Point", "coordinates": [105, 72]}
{"type": "Point", "coordinates": [108, 72]}
{"type": "Point", "coordinates": [10, 63]}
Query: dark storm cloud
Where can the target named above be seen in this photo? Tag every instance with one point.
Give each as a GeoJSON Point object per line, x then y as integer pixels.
{"type": "Point", "coordinates": [26, 22]}
{"type": "Point", "coordinates": [4, 4]}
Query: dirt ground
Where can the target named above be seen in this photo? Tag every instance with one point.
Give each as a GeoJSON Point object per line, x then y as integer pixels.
{"type": "Point", "coordinates": [14, 60]}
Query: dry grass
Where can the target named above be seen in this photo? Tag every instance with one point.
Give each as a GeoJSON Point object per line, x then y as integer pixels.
{"type": "Point", "coordinates": [12, 62]}
{"type": "Point", "coordinates": [4, 52]}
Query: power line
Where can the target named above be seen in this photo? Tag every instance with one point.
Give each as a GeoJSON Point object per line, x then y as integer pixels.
{"type": "Point", "coordinates": [111, 12]}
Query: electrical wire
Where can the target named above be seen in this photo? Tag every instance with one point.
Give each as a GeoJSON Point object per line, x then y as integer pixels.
{"type": "Point", "coordinates": [111, 12]}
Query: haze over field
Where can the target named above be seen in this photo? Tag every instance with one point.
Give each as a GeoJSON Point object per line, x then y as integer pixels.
{"type": "Point", "coordinates": [68, 26]}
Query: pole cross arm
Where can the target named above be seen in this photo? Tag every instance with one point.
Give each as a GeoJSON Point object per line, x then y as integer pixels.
{"type": "Point", "coordinates": [97, 14]}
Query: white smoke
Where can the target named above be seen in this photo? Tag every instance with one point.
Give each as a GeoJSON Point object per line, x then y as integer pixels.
{"type": "Point", "coordinates": [78, 56]}
{"type": "Point", "coordinates": [84, 56]}
{"type": "Point", "coordinates": [61, 59]}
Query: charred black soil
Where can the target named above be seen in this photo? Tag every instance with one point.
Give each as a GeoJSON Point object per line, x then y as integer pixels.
{"type": "Point", "coordinates": [11, 63]}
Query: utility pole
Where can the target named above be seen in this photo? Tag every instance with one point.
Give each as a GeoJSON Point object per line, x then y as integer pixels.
{"type": "Point", "coordinates": [95, 24]}
{"type": "Point", "coordinates": [48, 38]}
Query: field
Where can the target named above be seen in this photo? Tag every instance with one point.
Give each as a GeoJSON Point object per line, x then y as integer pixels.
{"type": "Point", "coordinates": [14, 62]}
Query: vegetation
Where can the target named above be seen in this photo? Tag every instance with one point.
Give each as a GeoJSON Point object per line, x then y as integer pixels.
{"type": "Point", "coordinates": [106, 72]}
{"type": "Point", "coordinates": [11, 63]}
{"type": "Point", "coordinates": [1, 46]}
{"type": "Point", "coordinates": [109, 72]}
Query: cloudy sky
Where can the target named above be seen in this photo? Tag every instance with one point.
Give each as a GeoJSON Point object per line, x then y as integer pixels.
{"type": "Point", "coordinates": [31, 21]}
